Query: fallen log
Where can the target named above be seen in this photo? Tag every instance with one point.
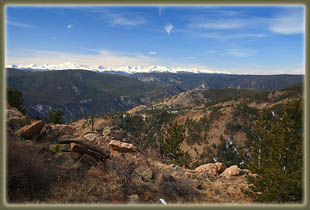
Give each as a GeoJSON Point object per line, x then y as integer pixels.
{"type": "Point", "coordinates": [82, 148]}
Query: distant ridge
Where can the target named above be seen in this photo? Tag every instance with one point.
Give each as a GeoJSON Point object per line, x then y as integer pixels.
{"type": "Point", "coordinates": [122, 69]}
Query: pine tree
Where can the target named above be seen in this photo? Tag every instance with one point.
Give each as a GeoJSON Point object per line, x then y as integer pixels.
{"type": "Point", "coordinates": [15, 99]}
{"type": "Point", "coordinates": [172, 137]}
{"type": "Point", "coordinates": [277, 156]}
{"type": "Point", "coordinates": [55, 116]}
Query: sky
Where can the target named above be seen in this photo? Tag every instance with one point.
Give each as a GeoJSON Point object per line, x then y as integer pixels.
{"type": "Point", "coordinates": [234, 39]}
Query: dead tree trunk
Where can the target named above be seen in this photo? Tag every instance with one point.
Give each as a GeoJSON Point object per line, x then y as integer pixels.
{"type": "Point", "coordinates": [82, 148]}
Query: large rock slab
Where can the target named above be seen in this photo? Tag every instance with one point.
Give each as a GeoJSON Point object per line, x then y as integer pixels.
{"type": "Point", "coordinates": [29, 131]}
{"type": "Point", "coordinates": [209, 168]}
{"type": "Point", "coordinates": [232, 171]}
{"type": "Point", "coordinates": [115, 145]}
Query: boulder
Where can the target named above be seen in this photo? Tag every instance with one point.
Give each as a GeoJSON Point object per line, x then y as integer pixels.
{"type": "Point", "coordinates": [220, 167]}
{"type": "Point", "coordinates": [209, 168]}
{"type": "Point", "coordinates": [29, 131]}
{"type": "Point", "coordinates": [231, 171]}
{"type": "Point", "coordinates": [62, 129]}
{"type": "Point", "coordinates": [54, 132]}
{"type": "Point", "coordinates": [15, 119]}
{"type": "Point", "coordinates": [92, 136]}
{"type": "Point", "coordinates": [115, 145]}
{"type": "Point", "coordinates": [68, 130]}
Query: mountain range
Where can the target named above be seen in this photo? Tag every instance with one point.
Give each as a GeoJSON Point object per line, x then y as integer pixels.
{"type": "Point", "coordinates": [100, 68]}
{"type": "Point", "coordinates": [81, 93]}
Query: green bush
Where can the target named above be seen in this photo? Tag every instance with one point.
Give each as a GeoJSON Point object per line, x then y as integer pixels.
{"type": "Point", "coordinates": [15, 99]}
{"type": "Point", "coordinates": [55, 116]}
{"type": "Point", "coordinates": [277, 156]}
{"type": "Point", "coordinates": [172, 137]}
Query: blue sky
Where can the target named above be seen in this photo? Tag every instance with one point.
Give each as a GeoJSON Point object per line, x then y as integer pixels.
{"type": "Point", "coordinates": [234, 39]}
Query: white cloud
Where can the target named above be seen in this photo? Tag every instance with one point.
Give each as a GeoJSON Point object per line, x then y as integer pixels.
{"type": "Point", "coordinates": [97, 57]}
{"type": "Point", "coordinates": [239, 52]}
{"type": "Point", "coordinates": [233, 52]}
{"type": "Point", "coordinates": [225, 36]}
{"type": "Point", "coordinates": [292, 22]}
{"type": "Point", "coordinates": [122, 18]}
{"type": "Point", "coordinates": [220, 24]}
{"type": "Point", "coordinates": [22, 25]}
{"type": "Point", "coordinates": [69, 26]}
{"type": "Point", "coordinates": [153, 53]}
{"type": "Point", "coordinates": [168, 28]}
{"type": "Point", "coordinates": [119, 20]}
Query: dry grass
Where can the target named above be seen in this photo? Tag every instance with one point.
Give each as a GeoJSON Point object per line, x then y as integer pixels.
{"type": "Point", "coordinates": [28, 177]}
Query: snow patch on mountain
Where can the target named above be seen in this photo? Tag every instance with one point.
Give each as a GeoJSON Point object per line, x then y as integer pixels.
{"type": "Point", "coordinates": [100, 68]}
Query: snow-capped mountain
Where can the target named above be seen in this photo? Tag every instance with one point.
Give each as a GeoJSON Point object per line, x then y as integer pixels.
{"type": "Point", "coordinates": [100, 68]}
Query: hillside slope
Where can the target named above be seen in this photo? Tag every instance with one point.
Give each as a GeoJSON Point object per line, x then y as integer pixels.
{"type": "Point", "coordinates": [80, 93]}
{"type": "Point", "coordinates": [189, 81]}
{"type": "Point", "coordinates": [211, 118]}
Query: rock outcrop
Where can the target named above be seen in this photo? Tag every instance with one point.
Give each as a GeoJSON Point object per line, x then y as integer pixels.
{"type": "Point", "coordinates": [232, 171]}
{"type": "Point", "coordinates": [121, 146]}
{"type": "Point", "coordinates": [29, 131]}
{"type": "Point", "coordinates": [15, 119]}
{"type": "Point", "coordinates": [211, 168]}
{"type": "Point", "coordinates": [53, 132]}
{"type": "Point", "coordinates": [63, 129]}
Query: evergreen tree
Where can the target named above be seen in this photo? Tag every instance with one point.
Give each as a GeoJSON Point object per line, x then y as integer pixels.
{"type": "Point", "coordinates": [277, 156]}
{"type": "Point", "coordinates": [54, 116]}
{"type": "Point", "coordinates": [15, 99]}
{"type": "Point", "coordinates": [172, 137]}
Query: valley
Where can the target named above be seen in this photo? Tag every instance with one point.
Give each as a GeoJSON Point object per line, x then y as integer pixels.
{"type": "Point", "coordinates": [158, 145]}
{"type": "Point", "coordinates": [80, 93]}
{"type": "Point", "coordinates": [138, 105]}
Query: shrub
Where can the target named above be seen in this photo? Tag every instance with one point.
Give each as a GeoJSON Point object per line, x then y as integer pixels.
{"type": "Point", "coordinates": [15, 99]}
{"type": "Point", "coordinates": [180, 189]}
{"type": "Point", "coordinates": [124, 170]}
{"type": "Point", "coordinates": [54, 116]}
{"type": "Point", "coordinates": [28, 178]}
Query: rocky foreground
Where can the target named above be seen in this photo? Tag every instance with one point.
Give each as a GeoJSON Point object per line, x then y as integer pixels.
{"type": "Point", "coordinates": [90, 167]}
